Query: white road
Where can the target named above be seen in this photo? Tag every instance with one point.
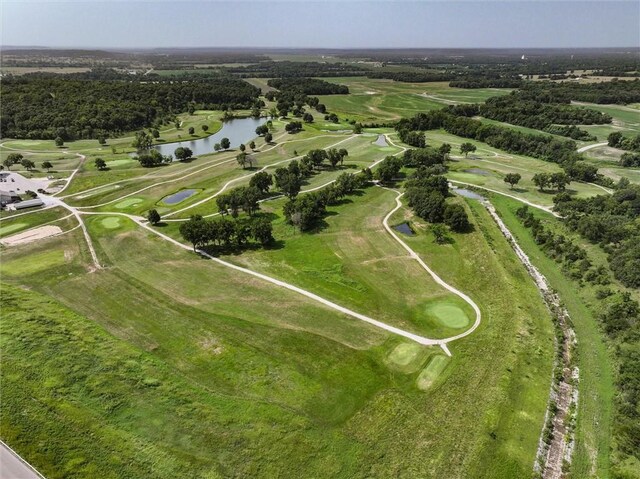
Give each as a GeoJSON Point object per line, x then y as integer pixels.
{"type": "Point", "coordinates": [12, 466]}
{"type": "Point", "coordinates": [590, 147]}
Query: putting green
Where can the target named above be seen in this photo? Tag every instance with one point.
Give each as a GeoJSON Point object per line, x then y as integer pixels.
{"type": "Point", "coordinates": [128, 202]}
{"type": "Point", "coordinates": [11, 228]}
{"type": "Point", "coordinates": [448, 314]}
{"type": "Point", "coordinates": [111, 222]}
{"type": "Point", "coordinates": [429, 374]}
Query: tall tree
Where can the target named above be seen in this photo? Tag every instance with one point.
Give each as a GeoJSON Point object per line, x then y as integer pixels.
{"type": "Point", "coordinates": [467, 148]}
{"type": "Point", "coordinates": [512, 179]}
{"type": "Point", "coordinates": [154, 217]}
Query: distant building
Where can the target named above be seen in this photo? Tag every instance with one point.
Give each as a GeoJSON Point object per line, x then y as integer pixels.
{"type": "Point", "coordinates": [8, 197]}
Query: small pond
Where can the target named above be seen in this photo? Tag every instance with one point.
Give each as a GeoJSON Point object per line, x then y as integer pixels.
{"type": "Point", "coordinates": [478, 171]}
{"type": "Point", "coordinates": [381, 141]}
{"type": "Point", "coordinates": [467, 193]}
{"type": "Point", "coordinates": [404, 228]}
{"type": "Point", "coordinates": [179, 196]}
{"type": "Point", "coordinates": [239, 131]}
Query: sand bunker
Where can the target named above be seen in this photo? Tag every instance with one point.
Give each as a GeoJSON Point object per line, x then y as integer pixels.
{"type": "Point", "coordinates": [31, 235]}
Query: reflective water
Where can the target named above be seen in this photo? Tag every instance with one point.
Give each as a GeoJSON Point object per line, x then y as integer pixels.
{"type": "Point", "coordinates": [239, 131]}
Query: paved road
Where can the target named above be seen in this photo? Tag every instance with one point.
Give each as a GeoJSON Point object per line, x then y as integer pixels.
{"type": "Point", "coordinates": [589, 147]}
{"type": "Point", "coordinates": [13, 466]}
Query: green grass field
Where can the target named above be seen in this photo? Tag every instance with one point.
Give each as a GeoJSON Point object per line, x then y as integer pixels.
{"type": "Point", "coordinates": [164, 364]}
{"type": "Point", "coordinates": [327, 382]}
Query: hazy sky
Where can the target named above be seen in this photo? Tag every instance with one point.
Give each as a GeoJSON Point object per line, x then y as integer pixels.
{"type": "Point", "coordinates": [330, 24]}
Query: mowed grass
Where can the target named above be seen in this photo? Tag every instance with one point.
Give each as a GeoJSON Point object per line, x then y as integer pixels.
{"type": "Point", "coordinates": [430, 374]}
{"type": "Point", "coordinates": [353, 261]}
{"type": "Point", "coordinates": [10, 225]}
{"type": "Point", "coordinates": [375, 100]}
{"type": "Point", "coordinates": [179, 367]}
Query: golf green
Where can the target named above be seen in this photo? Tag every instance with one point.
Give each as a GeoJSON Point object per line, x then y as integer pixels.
{"type": "Point", "coordinates": [111, 222]}
{"type": "Point", "coordinates": [448, 314]}
{"type": "Point", "coordinates": [128, 202]}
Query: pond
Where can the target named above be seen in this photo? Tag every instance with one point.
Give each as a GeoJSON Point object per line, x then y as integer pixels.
{"type": "Point", "coordinates": [404, 228]}
{"type": "Point", "coordinates": [381, 141]}
{"type": "Point", "coordinates": [239, 131]}
{"type": "Point", "coordinates": [179, 196]}
{"type": "Point", "coordinates": [468, 193]}
{"type": "Point", "coordinates": [478, 171]}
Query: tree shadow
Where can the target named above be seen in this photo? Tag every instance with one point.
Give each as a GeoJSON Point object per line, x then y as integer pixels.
{"type": "Point", "coordinates": [237, 250]}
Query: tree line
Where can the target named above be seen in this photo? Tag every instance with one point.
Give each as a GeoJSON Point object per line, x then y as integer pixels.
{"type": "Point", "coordinates": [612, 222]}
{"type": "Point", "coordinates": [619, 92]}
{"type": "Point", "coordinates": [538, 113]}
{"type": "Point", "coordinates": [49, 106]}
{"type": "Point", "coordinates": [544, 147]}
{"type": "Point", "coordinates": [308, 86]}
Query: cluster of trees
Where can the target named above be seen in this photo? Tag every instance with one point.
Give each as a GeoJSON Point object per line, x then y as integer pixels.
{"type": "Point", "coordinates": [245, 198]}
{"type": "Point", "coordinates": [40, 106]}
{"type": "Point", "coordinates": [263, 130]}
{"type": "Point", "coordinates": [488, 82]}
{"type": "Point", "coordinates": [631, 143]}
{"type": "Point", "coordinates": [570, 131]}
{"type": "Point", "coordinates": [306, 211]}
{"type": "Point", "coordinates": [288, 69]}
{"type": "Point", "coordinates": [225, 232]}
{"type": "Point", "coordinates": [293, 127]}
{"type": "Point", "coordinates": [544, 147]}
{"type": "Point", "coordinates": [620, 318]}
{"type": "Point", "coordinates": [388, 169]}
{"type": "Point", "coordinates": [559, 180]}
{"type": "Point", "coordinates": [611, 92]}
{"type": "Point", "coordinates": [412, 138]}
{"type": "Point", "coordinates": [411, 76]}
{"type": "Point", "coordinates": [308, 86]}
{"type": "Point", "coordinates": [525, 109]}
{"type": "Point", "coordinates": [630, 160]}
{"type": "Point", "coordinates": [289, 179]}
{"type": "Point", "coordinates": [612, 222]}
{"type": "Point", "coordinates": [224, 144]}
{"type": "Point", "coordinates": [426, 157]}
{"type": "Point", "coordinates": [18, 159]}
{"type": "Point", "coordinates": [152, 158]}
{"type": "Point", "coordinates": [426, 194]}
{"type": "Point", "coordinates": [573, 258]}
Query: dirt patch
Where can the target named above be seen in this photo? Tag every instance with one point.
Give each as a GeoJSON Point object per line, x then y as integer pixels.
{"type": "Point", "coordinates": [31, 235]}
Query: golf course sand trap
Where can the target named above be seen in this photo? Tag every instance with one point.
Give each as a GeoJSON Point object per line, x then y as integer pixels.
{"type": "Point", "coordinates": [429, 374]}
{"type": "Point", "coordinates": [448, 315]}
{"type": "Point", "coordinates": [31, 235]}
{"type": "Point", "coordinates": [128, 202]}
{"type": "Point", "coordinates": [110, 222]}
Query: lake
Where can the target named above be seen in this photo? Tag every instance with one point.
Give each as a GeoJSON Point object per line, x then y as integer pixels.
{"type": "Point", "coordinates": [239, 131]}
